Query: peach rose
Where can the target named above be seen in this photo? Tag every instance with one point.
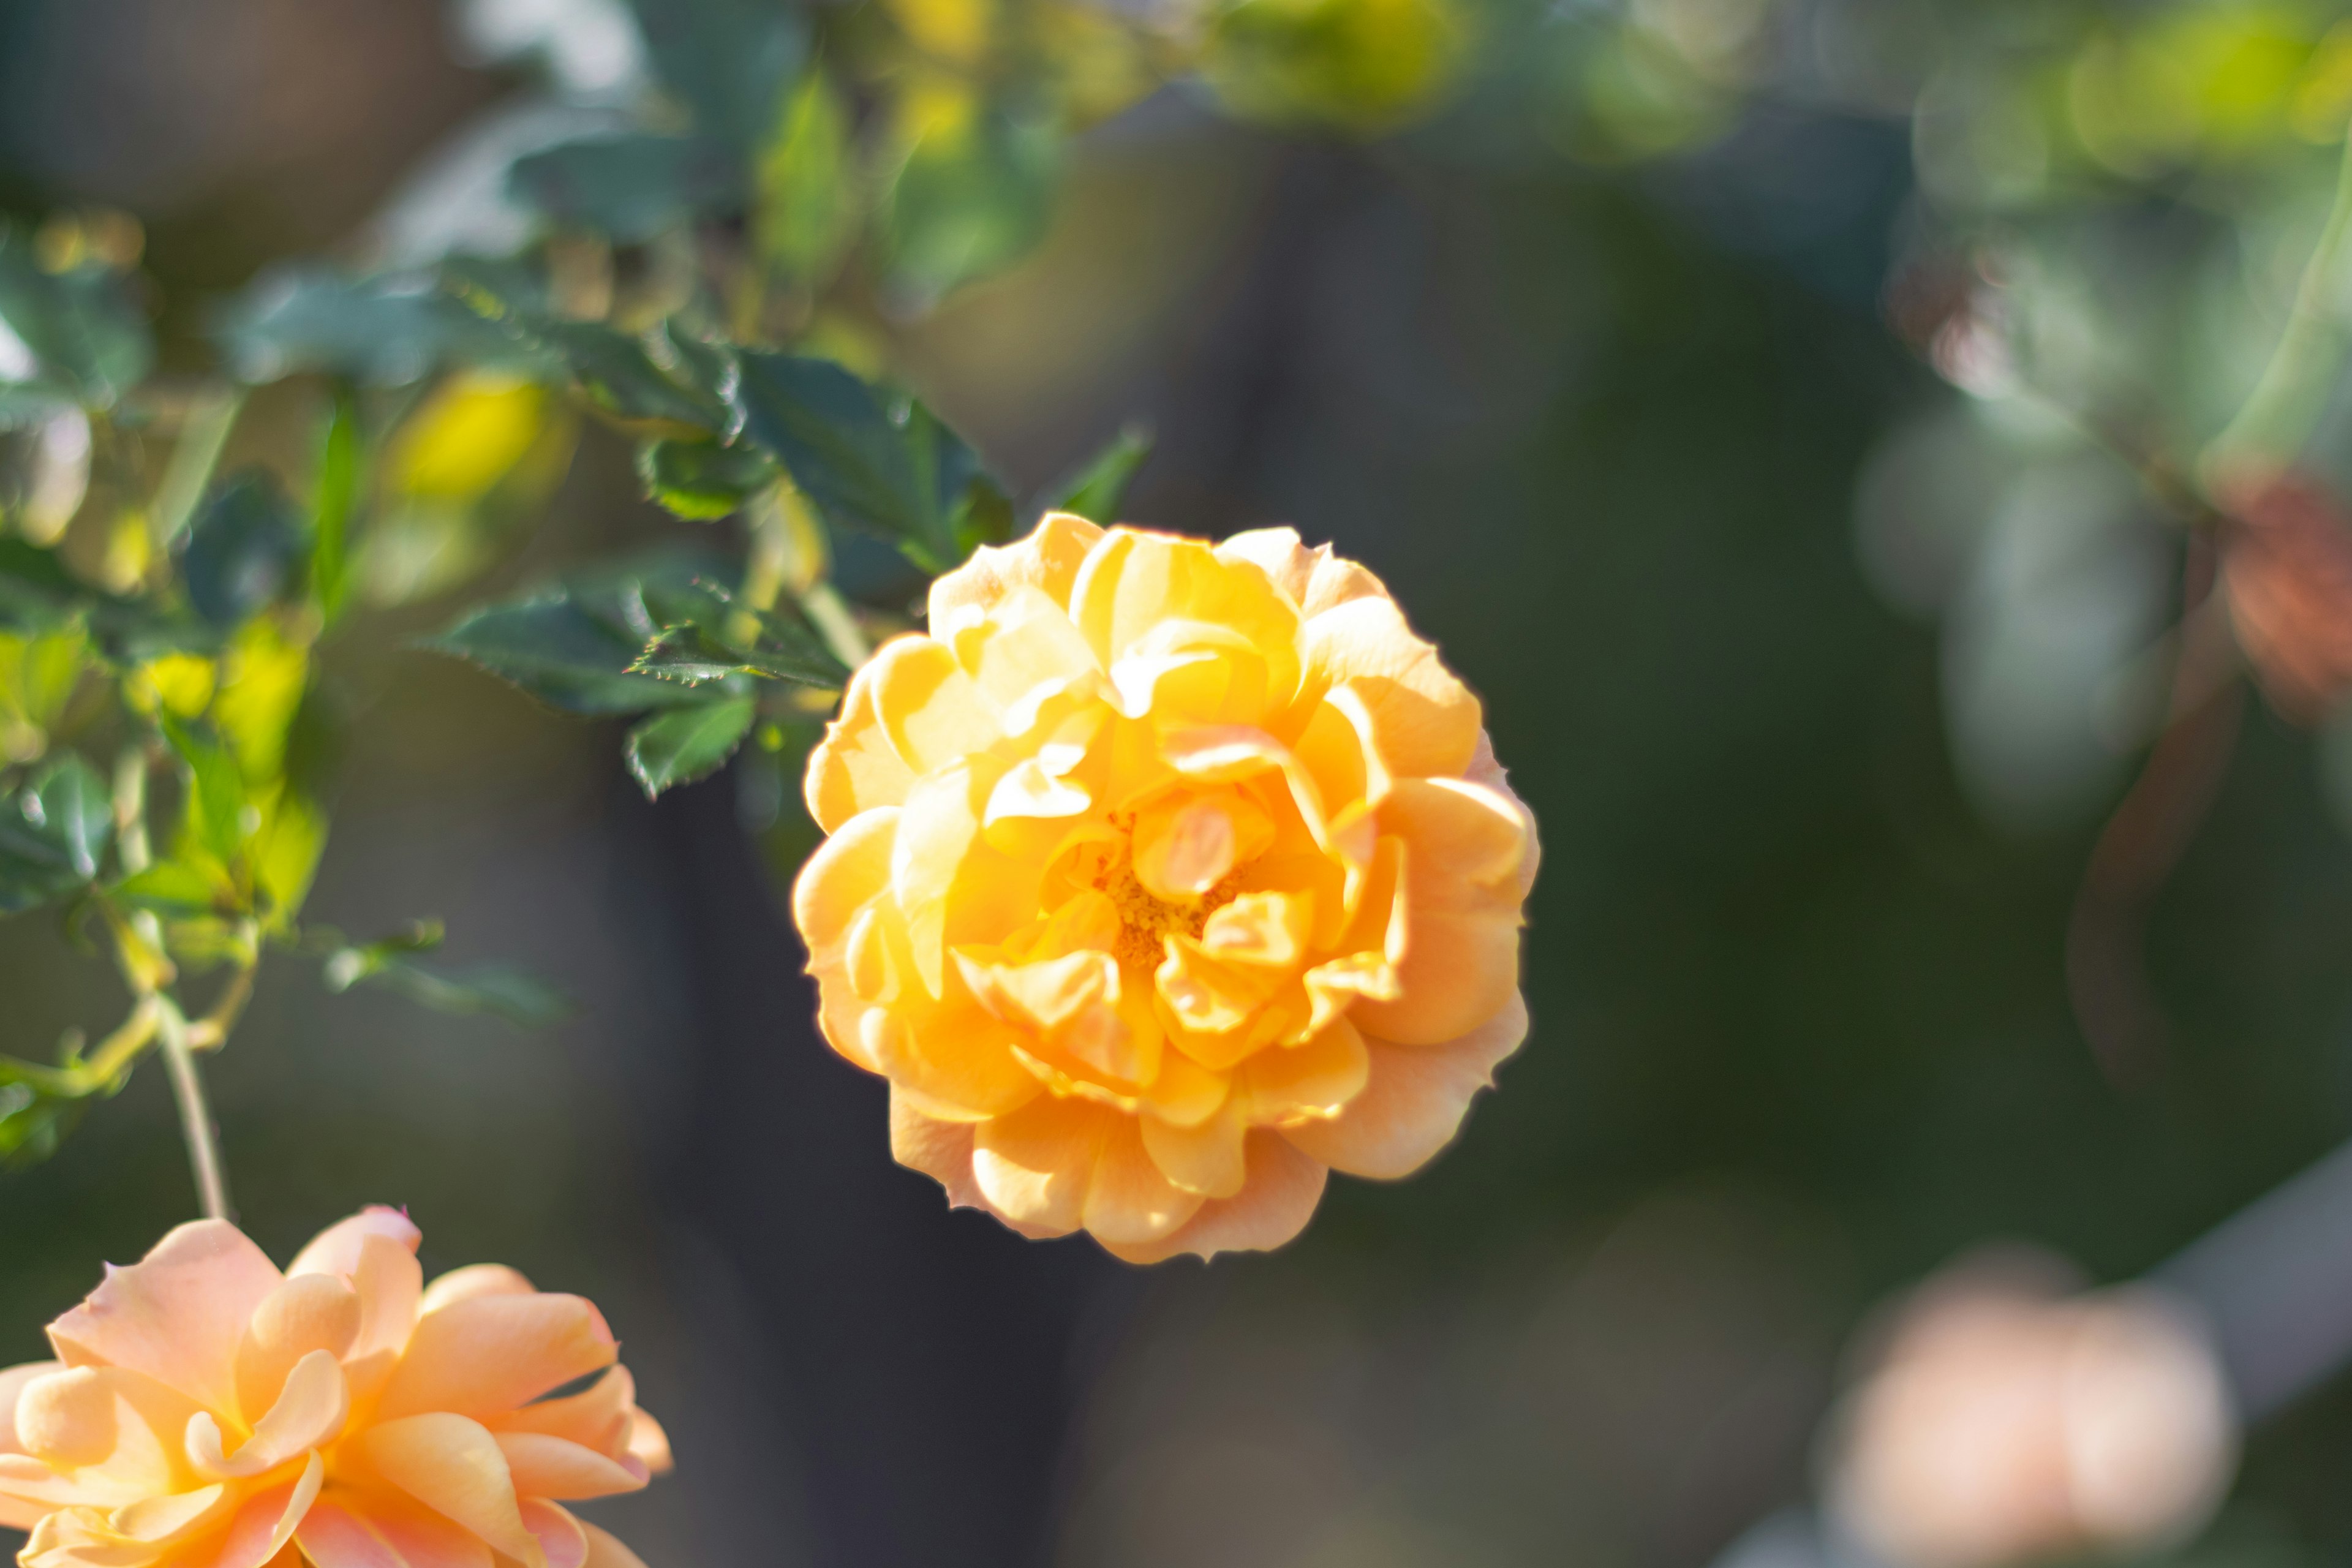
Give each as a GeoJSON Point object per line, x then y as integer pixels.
{"type": "Point", "coordinates": [206, 1411]}
{"type": "Point", "coordinates": [1162, 878]}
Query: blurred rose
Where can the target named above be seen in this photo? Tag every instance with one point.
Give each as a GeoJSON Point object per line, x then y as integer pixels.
{"type": "Point", "coordinates": [1162, 878]}
{"type": "Point", "coordinates": [2288, 564]}
{"type": "Point", "coordinates": [2004, 1424]}
{"type": "Point", "coordinates": [206, 1411]}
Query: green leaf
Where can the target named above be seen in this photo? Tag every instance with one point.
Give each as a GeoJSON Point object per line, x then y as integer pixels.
{"type": "Point", "coordinates": [561, 653]}
{"type": "Point", "coordinates": [53, 833]}
{"type": "Point", "coordinates": [87, 338]}
{"type": "Point", "coordinates": [217, 793]}
{"type": "Point", "coordinates": [700, 480]}
{"type": "Point", "coordinates": [242, 550]}
{"type": "Point", "coordinates": [621, 378]}
{"type": "Point", "coordinates": [687, 744]}
{"type": "Point", "coordinates": [894, 470]}
{"type": "Point", "coordinates": [1096, 491]}
{"type": "Point", "coordinates": [390, 961]}
{"type": "Point", "coordinates": [727, 61]}
{"type": "Point", "coordinates": [386, 331]}
{"type": "Point", "coordinates": [177, 887]}
{"type": "Point", "coordinates": [33, 1120]}
{"type": "Point", "coordinates": [968, 201]}
{"type": "Point", "coordinates": [776, 646]}
{"type": "Point", "coordinates": [334, 499]}
{"type": "Point", "coordinates": [807, 209]}
{"type": "Point", "coordinates": [630, 186]}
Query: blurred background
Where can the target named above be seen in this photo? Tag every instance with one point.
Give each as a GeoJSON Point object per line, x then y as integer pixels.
{"type": "Point", "coordinates": [1768, 406]}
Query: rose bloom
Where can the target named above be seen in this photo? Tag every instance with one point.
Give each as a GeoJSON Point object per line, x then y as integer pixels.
{"type": "Point", "coordinates": [206, 1411]}
{"type": "Point", "coordinates": [1162, 878]}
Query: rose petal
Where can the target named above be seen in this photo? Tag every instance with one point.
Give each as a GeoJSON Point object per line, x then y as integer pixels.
{"type": "Point", "coordinates": [604, 1552]}
{"type": "Point", "coordinates": [493, 1353]}
{"type": "Point", "coordinates": [266, 1523]}
{"type": "Point", "coordinates": [308, 1312]}
{"type": "Point", "coordinates": [385, 1530]}
{"type": "Point", "coordinates": [649, 1445]}
{"type": "Point", "coordinates": [454, 1468]}
{"type": "Point", "coordinates": [853, 768]}
{"type": "Point", "coordinates": [1459, 970]}
{"type": "Point", "coordinates": [1415, 1099]}
{"type": "Point", "coordinates": [474, 1279]}
{"type": "Point", "coordinates": [1284, 1187]}
{"type": "Point", "coordinates": [177, 1315]}
{"type": "Point", "coordinates": [309, 1413]}
{"type": "Point", "coordinates": [552, 1468]}
{"type": "Point", "coordinates": [1047, 560]}
{"type": "Point", "coordinates": [560, 1536]}
{"type": "Point", "coordinates": [1425, 721]}
{"type": "Point", "coordinates": [336, 1250]}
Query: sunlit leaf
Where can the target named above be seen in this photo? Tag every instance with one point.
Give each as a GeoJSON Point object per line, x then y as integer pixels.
{"type": "Point", "coordinates": [334, 498]}
{"type": "Point", "coordinates": [807, 209]}
{"type": "Point", "coordinates": [700, 480]}
{"type": "Point", "coordinates": [387, 331]}
{"type": "Point", "coordinates": [687, 744]}
{"type": "Point", "coordinates": [216, 796]}
{"type": "Point", "coordinates": [974, 194]}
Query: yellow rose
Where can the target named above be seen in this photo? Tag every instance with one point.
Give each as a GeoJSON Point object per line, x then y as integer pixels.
{"type": "Point", "coordinates": [206, 1411]}
{"type": "Point", "coordinates": [1162, 877]}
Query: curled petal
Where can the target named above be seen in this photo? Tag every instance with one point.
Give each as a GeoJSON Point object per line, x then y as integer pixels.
{"type": "Point", "coordinates": [177, 1315]}
{"type": "Point", "coordinates": [15, 1514]}
{"type": "Point", "coordinates": [552, 1468]}
{"type": "Point", "coordinates": [604, 1552]}
{"type": "Point", "coordinates": [99, 1434]}
{"type": "Point", "coordinates": [596, 1417]}
{"type": "Point", "coordinates": [1459, 969]}
{"type": "Point", "coordinates": [494, 1353]}
{"type": "Point", "coordinates": [474, 1279]}
{"type": "Point", "coordinates": [336, 1250]}
{"type": "Point", "coordinates": [561, 1536]}
{"type": "Point", "coordinates": [266, 1523]}
{"type": "Point", "coordinates": [308, 1312]}
{"type": "Point", "coordinates": [309, 1414]}
{"type": "Point", "coordinates": [1424, 721]}
{"type": "Point", "coordinates": [384, 1531]}
{"type": "Point", "coordinates": [1047, 561]}
{"type": "Point", "coordinates": [1315, 579]}
{"type": "Point", "coordinates": [854, 768]}
{"type": "Point", "coordinates": [1283, 1189]}
{"type": "Point", "coordinates": [453, 1466]}
{"type": "Point", "coordinates": [1413, 1101]}
{"type": "Point", "coordinates": [649, 1445]}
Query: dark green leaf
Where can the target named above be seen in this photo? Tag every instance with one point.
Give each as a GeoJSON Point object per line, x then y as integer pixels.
{"type": "Point", "coordinates": [728, 61]}
{"type": "Point", "coordinates": [86, 335]}
{"type": "Point", "coordinates": [1096, 491]}
{"type": "Point", "coordinates": [53, 833]}
{"type": "Point", "coordinates": [620, 377]}
{"type": "Point", "coordinates": [242, 548]}
{"type": "Point", "coordinates": [700, 480]}
{"type": "Point", "coordinates": [893, 470]}
{"type": "Point", "coordinates": [561, 653]}
{"type": "Point", "coordinates": [715, 646]}
{"type": "Point", "coordinates": [386, 330]}
{"type": "Point", "coordinates": [688, 743]}
{"type": "Point", "coordinates": [491, 989]}
{"type": "Point", "coordinates": [630, 186]}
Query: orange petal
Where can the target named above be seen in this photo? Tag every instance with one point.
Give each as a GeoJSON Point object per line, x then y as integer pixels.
{"type": "Point", "coordinates": [494, 1353]}
{"type": "Point", "coordinates": [1022, 656]}
{"type": "Point", "coordinates": [308, 1312]}
{"type": "Point", "coordinates": [174, 1516]}
{"type": "Point", "coordinates": [336, 1250]}
{"type": "Point", "coordinates": [267, 1522]}
{"type": "Point", "coordinates": [854, 769]}
{"type": "Point", "coordinates": [15, 1514]}
{"type": "Point", "coordinates": [1035, 1165]}
{"type": "Point", "coordinates": [385, 1530]}
{"type": "Point", "coordinates": [930, 708]}
{"type": "Point", "coordinates": [453, 1466]}
{"type": "Point", "coordinates": [940, 1150]}
{"type": "Point", "coordinates": [1284, 1187]}
{"type": "Point", "coordinates": [119, 1433]}
{"type": "Point", "coordinates": [1129, 1200]}
{"type": "Point", "coordinates": [1415, 1099]}
{"type": "Point", "coordinates": [474, 1279]}
{"type": "Point", "coordinates": [604, 1552]}
{"type": "Point", "coordinates": [596, 1417]}
{"type": "Point", "coordinates": [1047, 560]}
{"type": "Point", "coordinates": [562, 1536]}
{"type": "Point", "coordinates": [1425, 722]}
{"type": "Point", "coordinates": [1459, 969]}
{"type": "Point", "coordinates": [552, 1467]}
{"type": "Point", "coordinates": [309, 1414]}
{"type": "Point", "coordinates": [649, 1445]}
{"type": "Point", "coordinates": [390, 1283]}
{"type": "Point", "coordinates": [847, 872]}
{"type": "Point", "coordinates": [1464, 841]}
{"type": "Point", "coordinates": [1205, 1159]}
{"type": "Point", "coordinates": [177, 1315]}
{"type": "Point", "coordinates": [1134, 581]}
{"type": "Point", "coordinates": [1486, 771]}
{"type": "Point", "coordinates": [1315, 579]}
{"type": "Point", "coordinates": [1314, 1079]}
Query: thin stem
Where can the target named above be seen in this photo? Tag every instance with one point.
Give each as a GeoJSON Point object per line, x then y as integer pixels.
{"type": "Point", "coordinates": [2277, 415]}
{"type": "Point", "coordinates": [195, 1115]}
